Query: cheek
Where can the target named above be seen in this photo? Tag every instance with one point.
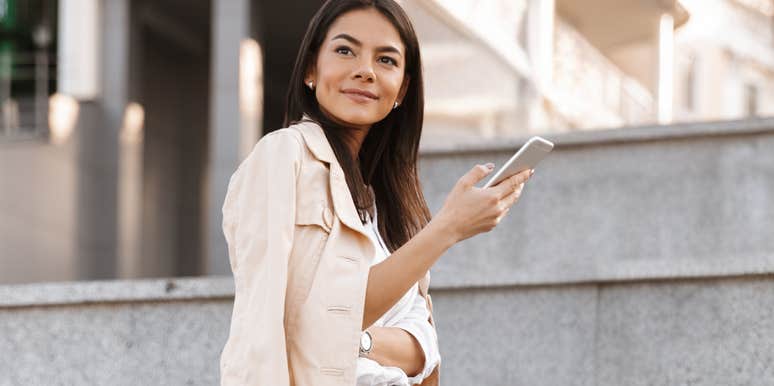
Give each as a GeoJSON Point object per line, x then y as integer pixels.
{"type": "Point", "coordinates": [390, 87]}
{"type": "Point", "coordinates": [329, 73]}
{"type": "Point", "coordinates": [392, 84]}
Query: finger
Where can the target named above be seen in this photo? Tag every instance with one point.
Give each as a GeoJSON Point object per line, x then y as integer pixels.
{"type": "Point", "coordinates": [501, 216]}
{"type": "Point", "coordinates": [475, 175]}
{"type": "Point", "coordinates": [511, 199]}
{"type": "Point", "coordinates": [508, 185]}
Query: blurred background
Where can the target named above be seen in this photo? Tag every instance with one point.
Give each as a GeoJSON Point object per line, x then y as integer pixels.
{"type": "Point", "coordinates": [121, 121]}
{"type": "Point", "coordinates": [641, 252]}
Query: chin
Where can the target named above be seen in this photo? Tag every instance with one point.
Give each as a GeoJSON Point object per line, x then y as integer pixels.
{"type": "Point", "coordinates": [359, 117]}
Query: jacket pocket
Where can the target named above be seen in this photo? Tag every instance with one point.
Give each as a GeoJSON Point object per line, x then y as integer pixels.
{"type": "Point", "coordinates": [315, 213]}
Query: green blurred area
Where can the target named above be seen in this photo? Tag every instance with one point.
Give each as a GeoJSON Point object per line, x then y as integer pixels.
{"type": "Point", "coordinates": [19, 21]}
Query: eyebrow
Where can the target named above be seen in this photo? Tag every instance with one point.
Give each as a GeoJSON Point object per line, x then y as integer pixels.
{"type": "Point", "coordinates": [358, 43]}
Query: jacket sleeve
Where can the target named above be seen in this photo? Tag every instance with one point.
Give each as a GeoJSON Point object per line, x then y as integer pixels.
{"type": "Point", "coordinates": [258, 223]}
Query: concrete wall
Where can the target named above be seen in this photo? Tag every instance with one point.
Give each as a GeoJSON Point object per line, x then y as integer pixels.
{"type": "Point", "coordinates": [144, 332]}
{"type": "Point", "coordinates": [635, 257]}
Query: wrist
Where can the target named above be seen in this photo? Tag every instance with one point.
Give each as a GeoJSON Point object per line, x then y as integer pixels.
{"type": "Point", "coordinates": [443, 230]}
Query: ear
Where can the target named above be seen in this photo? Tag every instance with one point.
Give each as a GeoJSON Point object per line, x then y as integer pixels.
{"type": "Point", "coordinates": [403, 89]}
{"type": "Point", "coordinates": [310, 73]}
{"type": "Point", "coordinates": [308, 77]}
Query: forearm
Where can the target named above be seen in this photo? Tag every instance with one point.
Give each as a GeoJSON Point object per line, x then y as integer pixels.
{"type": "Point", "coordinates": [395, 347]}
{"type": "Point", "coordinates": [389, 280]}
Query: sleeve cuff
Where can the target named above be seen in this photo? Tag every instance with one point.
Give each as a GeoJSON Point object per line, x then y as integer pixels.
{"type": "Point", "coordinates": [425, 335]}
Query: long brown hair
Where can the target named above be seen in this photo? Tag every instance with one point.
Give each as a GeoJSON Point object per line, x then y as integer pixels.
{"type": "Point", "coordinates": [387, 160]}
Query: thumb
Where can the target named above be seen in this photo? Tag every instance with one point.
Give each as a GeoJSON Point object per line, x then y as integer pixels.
{"type": "Point", "coordinates": [476, 174]}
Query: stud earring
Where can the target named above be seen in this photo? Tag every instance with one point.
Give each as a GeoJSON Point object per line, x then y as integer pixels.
{"type": "Point", "coordinates": [395, 106]}
{"type": "Point", "coordinates": [311, 85]}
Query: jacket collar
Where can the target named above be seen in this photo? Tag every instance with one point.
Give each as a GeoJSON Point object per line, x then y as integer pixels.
{"type": "Point", "coordinates": [316, 141]}
{"type": "Point", "coordinates": [343, 205]}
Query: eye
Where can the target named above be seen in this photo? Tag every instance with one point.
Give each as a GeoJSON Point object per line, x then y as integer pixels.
{"type": "Point", "coordinates": [389, 60]}
{"type": "Point", "coordinates": [343, 50]}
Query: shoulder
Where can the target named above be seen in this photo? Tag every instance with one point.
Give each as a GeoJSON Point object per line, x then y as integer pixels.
{"type": "Point", "coordinates": [281, 149]}
{"type": "Point", "coordinates": [305, 136]}
{"type": "Point", "coordinates": [287, 139]}
{"type": "Point", "coordinates": [281, 146]}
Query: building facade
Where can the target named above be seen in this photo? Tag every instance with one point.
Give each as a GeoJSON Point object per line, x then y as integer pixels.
{"type": "Point", "coordinates": [122, 120]}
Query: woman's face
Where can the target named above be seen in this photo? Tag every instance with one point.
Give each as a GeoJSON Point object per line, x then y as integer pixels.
{"type": "Point", "coordinates": [359, 72]}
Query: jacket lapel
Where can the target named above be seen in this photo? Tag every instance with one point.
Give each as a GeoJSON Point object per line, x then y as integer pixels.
{"type": "Point", "coordinates": [342, 199]}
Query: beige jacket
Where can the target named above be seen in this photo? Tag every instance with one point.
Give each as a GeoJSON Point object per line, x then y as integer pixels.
{"type": "Point", "coordinates": [300, 258]}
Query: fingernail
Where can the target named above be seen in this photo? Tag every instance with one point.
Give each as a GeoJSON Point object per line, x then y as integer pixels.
{"type": "Point", "coordinates": [531, 172]}
{"type": "Point", "coordinates": [489, 166]}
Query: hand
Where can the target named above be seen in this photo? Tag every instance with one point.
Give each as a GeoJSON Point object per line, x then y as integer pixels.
{"type": "Point", "coordinates": [469, 210]}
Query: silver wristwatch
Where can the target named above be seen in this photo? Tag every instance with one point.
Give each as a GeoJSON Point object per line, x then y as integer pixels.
{"type": "Point", "coordinates": [366, 343]}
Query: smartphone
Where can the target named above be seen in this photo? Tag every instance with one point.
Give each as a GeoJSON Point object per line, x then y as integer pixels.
{"type": "Point", "coordinates": [527, 157]}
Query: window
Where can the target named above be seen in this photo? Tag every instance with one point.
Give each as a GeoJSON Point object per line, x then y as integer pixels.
{"type": "Point", "coordinates": [27, 66]}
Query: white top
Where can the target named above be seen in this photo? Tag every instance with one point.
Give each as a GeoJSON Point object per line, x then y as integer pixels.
{"type": "Point", "coordinates": [410, 314]}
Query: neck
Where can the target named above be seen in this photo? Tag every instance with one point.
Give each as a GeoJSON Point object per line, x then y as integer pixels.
{"type": "Point", "coordinates": [356, 141]}
{"type": "Point", "coordinates": [357, 133]}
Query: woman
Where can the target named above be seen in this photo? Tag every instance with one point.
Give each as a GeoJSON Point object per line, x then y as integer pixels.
{"type": "Point", "coordinates": [330, 238]}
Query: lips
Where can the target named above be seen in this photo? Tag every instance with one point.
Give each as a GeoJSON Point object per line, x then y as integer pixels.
{"type": "Point", "coordinates": [359, 93]}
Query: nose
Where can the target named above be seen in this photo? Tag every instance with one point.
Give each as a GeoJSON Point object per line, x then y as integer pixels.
{"type": "Point", "coordinates": [364, 71]}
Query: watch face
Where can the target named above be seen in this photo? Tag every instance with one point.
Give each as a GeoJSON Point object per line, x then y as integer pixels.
{"type": "Point", "coordinates": [365, 341]}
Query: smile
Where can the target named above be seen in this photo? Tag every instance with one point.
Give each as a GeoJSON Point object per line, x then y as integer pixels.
{"type": "Point", "coordinates": [359, 96]}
